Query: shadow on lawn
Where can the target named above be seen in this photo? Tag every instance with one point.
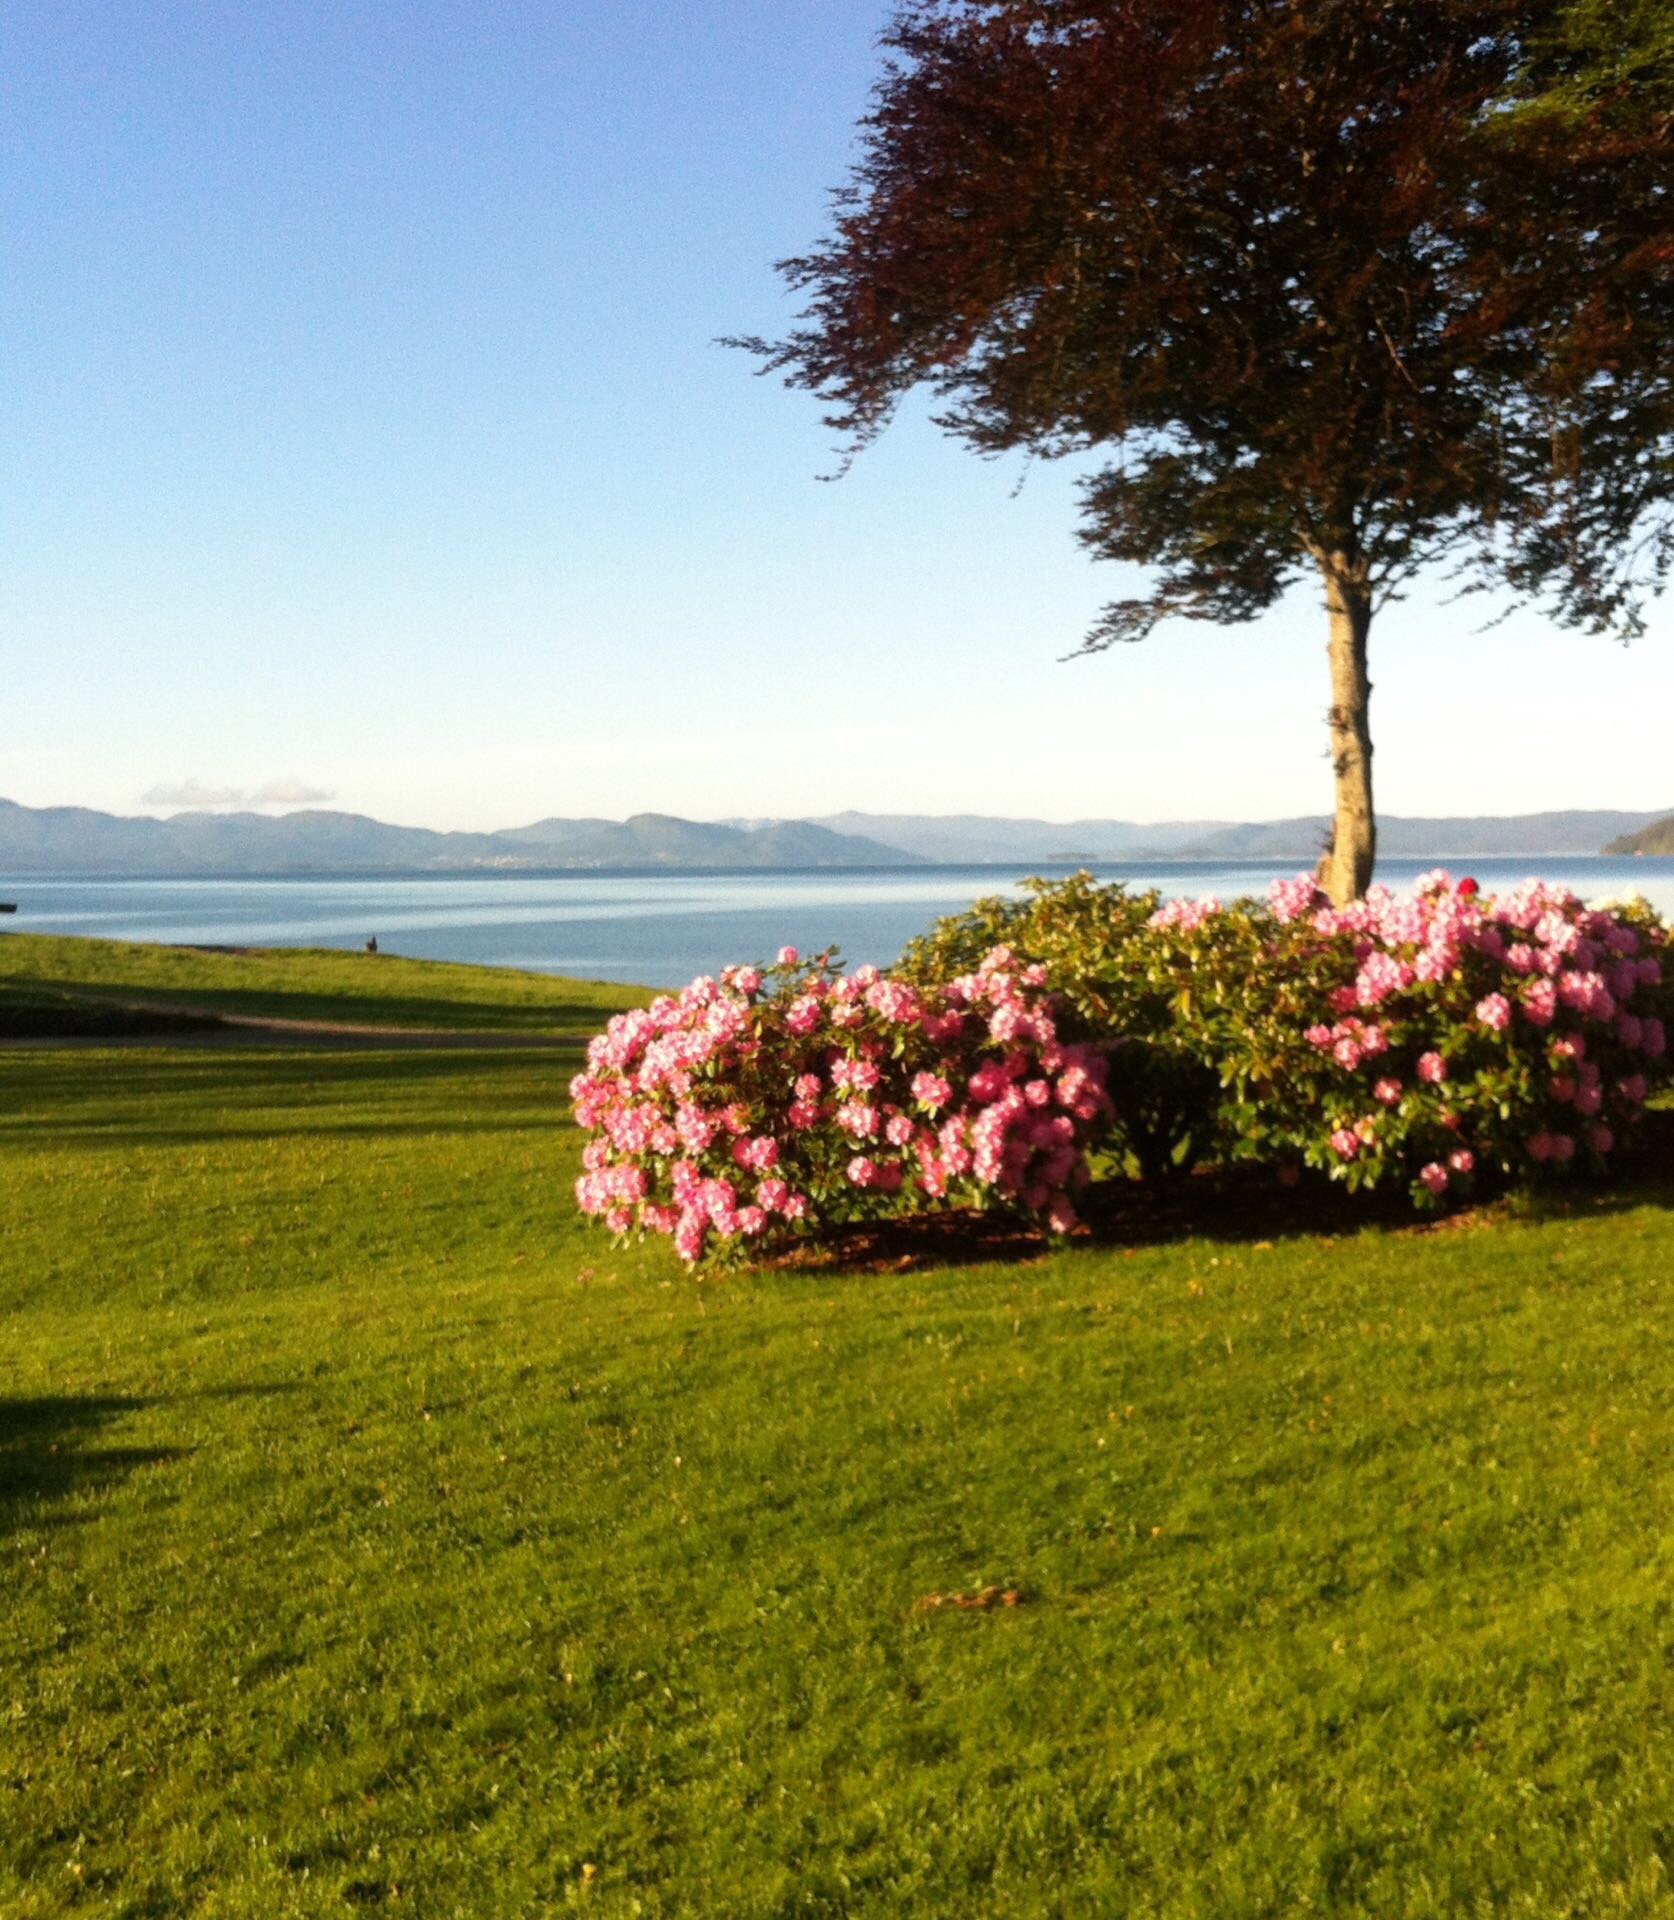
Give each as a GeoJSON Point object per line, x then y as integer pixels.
{"type": "Point", "coordinates": [46, 1455]}
{"type": "Point", "coordinates": [1237, 1205]}
{"type": "Point", "coordinates": [93, 1006]}
{"type": "Point", "coordinates": [192, 1099]}
{"type": "Point", "coordinates": [37, 1010]}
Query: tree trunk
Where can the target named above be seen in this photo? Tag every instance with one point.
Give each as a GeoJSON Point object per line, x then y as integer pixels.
{"type": "Point", "coordinates": [1345, 868]}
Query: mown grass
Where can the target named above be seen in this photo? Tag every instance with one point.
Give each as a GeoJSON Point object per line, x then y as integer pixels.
{"type": "Point", "coordinates": [57, 983]}
{"type": "Point", "coordinates": [372, 1536]}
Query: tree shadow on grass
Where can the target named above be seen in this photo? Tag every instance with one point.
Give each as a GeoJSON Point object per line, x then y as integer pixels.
{"type": "Point", "coordinates": [49, 1455]}
{"type": "Point", "coordinates": [40, 1006]}
{"type": "Point", "coordinates": [303, 1128]}
{"type": "Point", "coordinates": [37, 1010]}
{"type": "Point", "coordinates": [173, 1099]}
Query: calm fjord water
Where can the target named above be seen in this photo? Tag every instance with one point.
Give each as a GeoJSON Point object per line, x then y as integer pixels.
{"type": "Point", "coordinates": [657, 929]}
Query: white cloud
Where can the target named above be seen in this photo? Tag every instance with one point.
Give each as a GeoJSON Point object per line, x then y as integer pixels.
{"type": "Point", "coordinates": [288, 793]}
{"type": "Point", "coordinates": [192, 794]}
{"type": "Point", "coordinates": [188, 793]}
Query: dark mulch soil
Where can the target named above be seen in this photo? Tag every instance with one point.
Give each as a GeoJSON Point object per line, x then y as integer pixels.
{"type": "Point", "coordinates": [1238, 1203]}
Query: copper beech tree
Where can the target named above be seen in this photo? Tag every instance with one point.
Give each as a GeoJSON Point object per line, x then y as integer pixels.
{"type": "Point", "coordinates": [1325, 286]}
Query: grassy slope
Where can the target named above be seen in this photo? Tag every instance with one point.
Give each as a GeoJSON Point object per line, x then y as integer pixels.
{"type": "Point", "coordinates": [46, 977]}
{"type": "Point", "coordinates": [370, 1532]}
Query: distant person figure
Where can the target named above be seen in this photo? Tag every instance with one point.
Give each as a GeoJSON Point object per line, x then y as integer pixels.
{"type": "Point", "coordinates": [372, 944]}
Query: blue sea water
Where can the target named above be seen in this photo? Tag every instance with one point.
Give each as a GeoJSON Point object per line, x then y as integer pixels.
{"type": "Point", "coordinates": [658, 929]}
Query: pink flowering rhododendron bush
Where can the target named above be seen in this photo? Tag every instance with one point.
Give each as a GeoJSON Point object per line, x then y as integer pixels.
{"type": "Point", "coordinates": [1129, 985]}
{"type": "Point", "coordinates": [1430, 1038]}
{"type": "Point", "coordinates": [1453, 1035]}
{"type": "Point", "coordinates": [1429, 1041]}
{"type": "Point", "coordinates": [746, 1109]}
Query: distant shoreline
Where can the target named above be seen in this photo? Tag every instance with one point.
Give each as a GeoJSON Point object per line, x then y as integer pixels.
{"type": "Point", "coordinates": [12, 877]}
{"type": "Point", "coordinates": [660, 927]}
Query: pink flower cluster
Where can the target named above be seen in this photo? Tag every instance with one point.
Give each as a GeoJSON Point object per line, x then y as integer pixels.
{"type": "Point", "coordinates": [1187, 915]}
{"type": "Point", "coordinates": [744, 1109]}
{"type": "Point", "coordinates": [1528, 1020]}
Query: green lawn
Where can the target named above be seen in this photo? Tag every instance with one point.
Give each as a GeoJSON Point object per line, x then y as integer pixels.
{"type": "Point", "coordinates": [44, 977]}
{"type": "Point", "coordinates": [371, 1535]}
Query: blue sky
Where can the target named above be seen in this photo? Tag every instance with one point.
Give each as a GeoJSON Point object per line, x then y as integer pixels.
{"type": "Point", "coordinates": [364, 435]}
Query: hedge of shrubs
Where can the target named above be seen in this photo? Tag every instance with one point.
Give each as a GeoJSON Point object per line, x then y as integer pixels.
{"type": "Point", "coordinates": [1431, 1041]}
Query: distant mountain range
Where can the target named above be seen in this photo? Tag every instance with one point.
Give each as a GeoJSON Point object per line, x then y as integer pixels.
{"type": "Point", "coordinates": [960, 838]}
{"type": "Point", "coordinates": [80, 840]}
{"type": "Point", "coordinates": [1658, 837]}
